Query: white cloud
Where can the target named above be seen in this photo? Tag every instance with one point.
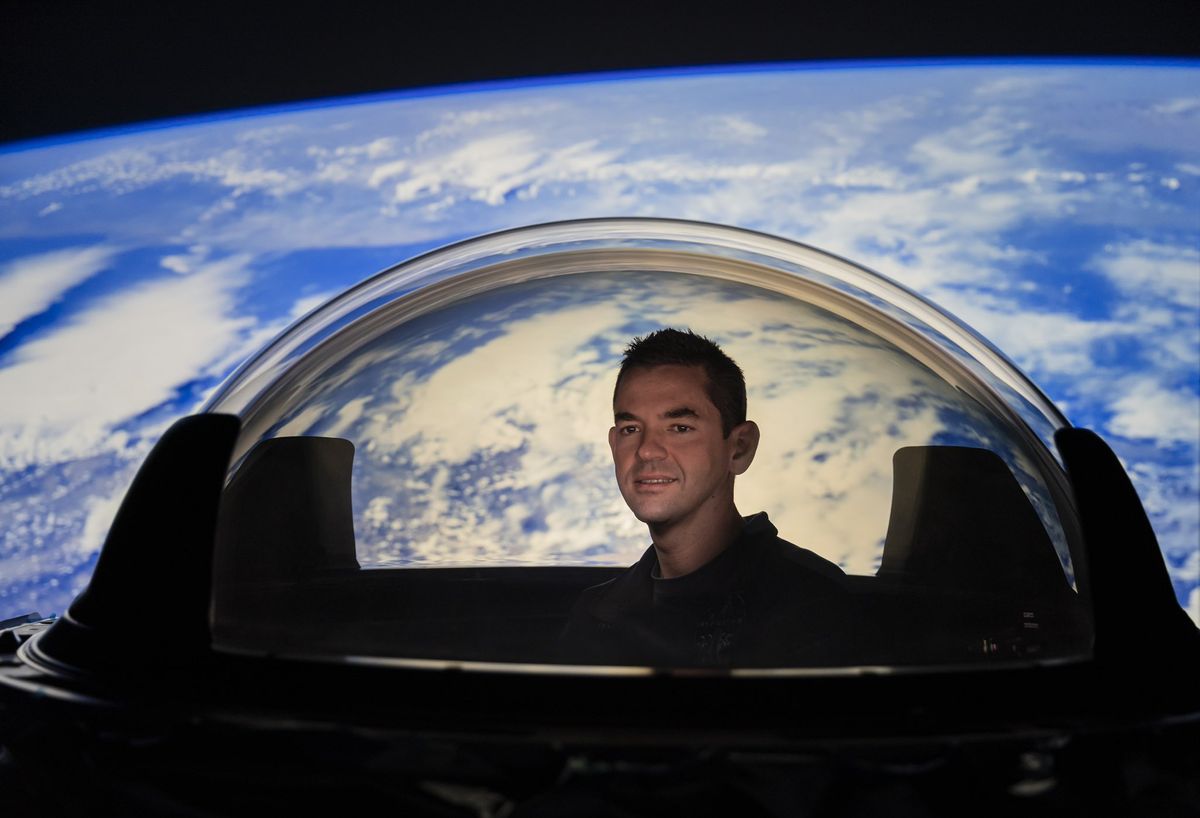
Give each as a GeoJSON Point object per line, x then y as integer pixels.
{"type": "Point", "coordinates": [1048, 343]}
{"type": "Point", "coordinates": [343, 163]}
{"type": "Point", "coordinates": [387, 171]}
{"type": "Point", "coordinates": [360, 163]}
{"type": "Point", "coordinates": [177, 264]}
{"type": "Point", "coordinates": [259, 336]}
{"type": "Point", "coordinates": [456, 123]}
{"type": "Point", "coordinates": [444, 416]}
{"type": "Point", "coordinates": [1144, 267]}
{"type": "Point", "coordinates": [734, 128]}
{"type": "Point", "coordinates": [184, 263]}
{"type": "Point", "coordinates": [490, 168]}
{"type": "Point", "coordinates": [1189, 569]}
{"type": "Point", "coordinates": [1180, 105]}
{"type": "Point", "coordinates": [268, 135]}
{"type": "Point", "coordinates": [1168, 493]}
{"type": "Point", "coordinates": [123, 170]}
{"type": "Point", "coordinates": [99, 517]}
{"type": "Point", "coordinates": [1145, 409]}
{"type": "Point", "coordinates": [31, 284]}
{"type": "Point", "coordinates": [1021, 86]}
{"type": "Point", "coordinates": [1066, 346]}
{"type": "Point", "coordinates": [122, 356]}
{"type": "Point", "coordinates": [988, 144]}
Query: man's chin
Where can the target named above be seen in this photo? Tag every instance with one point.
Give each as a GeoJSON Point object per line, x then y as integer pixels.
{"type": "Point", "coordinates": [651, 516]}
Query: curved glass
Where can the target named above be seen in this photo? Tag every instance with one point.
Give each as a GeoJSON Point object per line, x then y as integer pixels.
{"type": "Point", "coordinates": [424, 471]}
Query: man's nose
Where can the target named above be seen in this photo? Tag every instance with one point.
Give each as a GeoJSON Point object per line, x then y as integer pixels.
{"type": "Point", "coordinates": [651, 448]}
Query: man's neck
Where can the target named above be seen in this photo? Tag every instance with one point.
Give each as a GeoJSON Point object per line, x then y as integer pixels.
{"type": "Point", "coordinates": [691, 544]}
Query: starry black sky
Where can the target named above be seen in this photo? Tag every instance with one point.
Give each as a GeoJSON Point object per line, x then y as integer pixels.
{"type": "Point", "coordinates": [67, 65]}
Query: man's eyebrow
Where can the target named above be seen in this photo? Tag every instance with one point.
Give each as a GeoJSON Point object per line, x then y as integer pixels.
{"type": "Point", "coordinates": [670, 414]}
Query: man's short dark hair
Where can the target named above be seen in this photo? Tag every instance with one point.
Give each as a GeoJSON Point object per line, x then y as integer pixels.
{"type": "Point", "coordinates": [726, 386]}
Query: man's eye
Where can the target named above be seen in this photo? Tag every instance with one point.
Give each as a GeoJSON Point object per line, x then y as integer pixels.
{"type": "Point", "coordinates": [680, 427]}
{"type": "Point", "coordinates": [628, 430]}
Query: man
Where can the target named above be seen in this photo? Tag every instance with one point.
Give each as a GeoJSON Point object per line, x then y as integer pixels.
{"type": "Point", "coordinates": [714, 589]}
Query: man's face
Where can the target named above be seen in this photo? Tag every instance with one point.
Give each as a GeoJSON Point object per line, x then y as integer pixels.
{"type": "Point", "coordinates": [671, 458]}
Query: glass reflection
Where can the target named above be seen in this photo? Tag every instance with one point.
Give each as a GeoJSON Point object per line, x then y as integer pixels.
{"type": "Point", "coordinates": [480, 428]}
{"type": "Point", "coordinates": [424, 471]}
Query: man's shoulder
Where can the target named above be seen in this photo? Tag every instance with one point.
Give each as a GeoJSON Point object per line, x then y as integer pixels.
{"type": "Point", "coordinates": [796, 558]}
{"type": "Point", "coordinates": [588, 636]}
{"type": "Point", "coordinates": [621, 593]}
{"type": "Point", "coordinates": [779, 554]}
{"type": "Point", "coordinates": [803, 610]}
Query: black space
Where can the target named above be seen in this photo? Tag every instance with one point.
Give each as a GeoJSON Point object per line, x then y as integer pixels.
{"type": "Point", "coordinates": [67, 66]}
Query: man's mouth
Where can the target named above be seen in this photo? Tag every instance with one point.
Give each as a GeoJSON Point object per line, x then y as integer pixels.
{"type": "Point", "coordinates": [654, 481]}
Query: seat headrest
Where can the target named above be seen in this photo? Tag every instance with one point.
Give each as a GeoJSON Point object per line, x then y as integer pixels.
{"type": "Point", "coordinates": [959, 519]}
{"type": "Point", "coordinates": [287, 512]}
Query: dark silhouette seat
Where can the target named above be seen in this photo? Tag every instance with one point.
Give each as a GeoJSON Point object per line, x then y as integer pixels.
{"type": "Point", "coordinates": [968, 571]}
{"type": "Point", "coordinates": [959, 519]}
{"type": "Point", "coordinates": [286, 513]}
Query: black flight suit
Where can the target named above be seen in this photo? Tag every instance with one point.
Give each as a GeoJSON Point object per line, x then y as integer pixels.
{"type": "Point", "coordinates": [762, 602]}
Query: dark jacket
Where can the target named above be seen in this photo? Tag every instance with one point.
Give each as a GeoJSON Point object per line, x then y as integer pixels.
{"type": "Point", "coordinates": [762, 602]}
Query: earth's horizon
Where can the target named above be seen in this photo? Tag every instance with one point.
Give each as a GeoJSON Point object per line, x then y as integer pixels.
{"type": "Point", "coordinates": [1051, 207]}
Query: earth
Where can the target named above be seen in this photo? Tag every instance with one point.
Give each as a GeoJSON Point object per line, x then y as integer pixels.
{"type": "Point", "coordinates": [1051, 206]}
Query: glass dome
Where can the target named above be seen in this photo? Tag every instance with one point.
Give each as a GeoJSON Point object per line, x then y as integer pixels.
{"type": "Point", "coordinates": [423, 472]}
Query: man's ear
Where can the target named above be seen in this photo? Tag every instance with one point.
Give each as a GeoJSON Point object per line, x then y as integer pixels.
{"type": "Point", "coordinates": [744, 441]}
{"type": "Point", "coordinates": [612, 440]}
